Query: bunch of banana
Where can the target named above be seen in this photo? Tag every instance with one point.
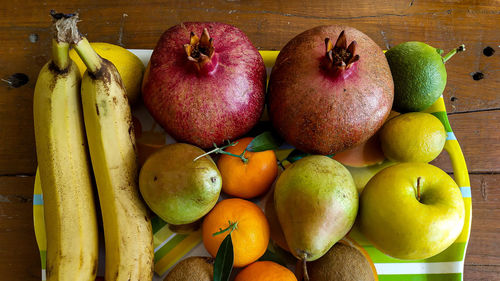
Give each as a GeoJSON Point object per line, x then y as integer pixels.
{"type": "Point", "coordinates": [108, 122]}
{"type": "Point", "coordinates": [70, 216]}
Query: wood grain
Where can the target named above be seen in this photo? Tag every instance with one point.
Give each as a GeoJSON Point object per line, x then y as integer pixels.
{"type": "Point", "coordinates": [474, 105]}
{"type": "Point", "coordinates": [483, 248]}
{"type": "Point", "coordinates": [19, 256]}
{"type": "Point", "coordinates": [479, 138]}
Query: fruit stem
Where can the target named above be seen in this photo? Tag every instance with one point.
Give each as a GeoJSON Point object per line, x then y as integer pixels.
{"type": "Point", "coordinates": [88, 55]}
{"type": "Point", "coordinates": [67, 31]}
{"type": "Point", "coordinates": [221, 151]}
{"type": "Point", "coordinates": [201, 52]}
{"type": "Point", "coordinates": [304, 270]}
{"type": "Point", "coordinates": [458, 49]}
{"type": "Point", "coordinates": [339, 57]}
{"type": "Point", "coordinates": [61, 29]}
{"type": "Point", "coordinates": [418, 188]}
{"type": "Point", "coordinates": [60, 54]}
{"type": "Point", "coordinates": [241, 156]}
{"type": "Point", "coordinates": [232, 226]}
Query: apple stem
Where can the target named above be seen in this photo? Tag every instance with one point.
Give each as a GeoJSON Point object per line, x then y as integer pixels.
{"type": "Point", "coordinates": [448, 56]}
{"type": "Point", "coordinates": [304, 270]}
{"type": "Point", "coordinates": [418, 188]}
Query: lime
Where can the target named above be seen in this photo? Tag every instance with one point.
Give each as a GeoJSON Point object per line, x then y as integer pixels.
{"type": "Point", "coordinates": [129, 66]}
{"type": "Point", "coordinates": [419, 75]}
{"type": "Point", "coordinates": [413, 137]}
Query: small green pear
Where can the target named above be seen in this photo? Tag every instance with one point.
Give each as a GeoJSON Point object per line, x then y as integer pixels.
{"type": "Point", "coordinates": [316, 202]}
{"type": "Point", "coordinates": [177, 188]}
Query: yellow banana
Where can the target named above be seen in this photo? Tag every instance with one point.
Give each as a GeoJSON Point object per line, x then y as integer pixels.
{"type": "Point", "coordinates": [108, 122]}
{"type": "Point", "coordinates": [70, 216]}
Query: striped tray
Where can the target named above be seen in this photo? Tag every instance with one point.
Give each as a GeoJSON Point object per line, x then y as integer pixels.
{"type": "Point", "coordinates": [171, 247]}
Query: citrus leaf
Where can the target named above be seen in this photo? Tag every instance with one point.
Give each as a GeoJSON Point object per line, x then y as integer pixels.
{"type": "Point", "coordinates": [296, 155]}
{"type": "Point", "coordinates": [270, 256]}
{"type": "Point", "coordinates": [278, 255]}
{"type": "Point", "coordinates": [224, 259]}
{"type": "Point", "coordinates": [263, 142]}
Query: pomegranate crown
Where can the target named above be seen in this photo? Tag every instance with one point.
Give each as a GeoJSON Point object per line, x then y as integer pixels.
{"type": "Point", "coordinates": [200, 49]}
{"type": "Point", "coordinates": [340, 56]}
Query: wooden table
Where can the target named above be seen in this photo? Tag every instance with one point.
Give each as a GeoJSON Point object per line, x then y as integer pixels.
{"type": "Point", "coordinates": [472, 94]}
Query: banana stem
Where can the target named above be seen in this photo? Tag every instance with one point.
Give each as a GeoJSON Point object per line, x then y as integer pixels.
{"type": "Point", "coordinates": [448, 56]}
{"type": "Point", "coordinates": [89, 57]}
{"type": "Point", "coordinates": [60, 54]}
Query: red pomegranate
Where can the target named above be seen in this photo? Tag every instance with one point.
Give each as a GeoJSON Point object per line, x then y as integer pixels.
{"type": "Point", "coordinates": [325, 96]}
{"type": "Point", "coordinates": [207, 89]}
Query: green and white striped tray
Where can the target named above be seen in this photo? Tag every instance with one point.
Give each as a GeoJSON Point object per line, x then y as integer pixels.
{"type": "Point", "coordinates": [171, 247]}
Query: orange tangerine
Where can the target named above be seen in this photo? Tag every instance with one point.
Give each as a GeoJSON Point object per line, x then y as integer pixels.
{"type": "Point", "coordinates": [247, 178]}
{"type": "Point", "coordinates": [265, 271]}
{"type": "Point", "coordinates": [250, 236]}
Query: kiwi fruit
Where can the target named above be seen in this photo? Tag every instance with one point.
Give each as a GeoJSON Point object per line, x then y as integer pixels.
{"type": "Point", "coordinates": [192, 269]}
{"type": "Point", "coordinates": [341, 263]}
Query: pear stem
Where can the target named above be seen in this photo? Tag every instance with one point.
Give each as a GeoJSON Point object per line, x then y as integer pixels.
{"type": "Point", "coordinates": [458, 49]}
{"type": "Point", "coordinates": [232, 226]}
{"type": "Point", "coordinates": [418, 188]}
{"type": "Point", "coordinates": [304, 270]}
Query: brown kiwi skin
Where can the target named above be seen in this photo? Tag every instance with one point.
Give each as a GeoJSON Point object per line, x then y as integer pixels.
{"type": "Point", "coordinates": [341, 263]}
{"type": "Point", "coordinates": [192, 269]}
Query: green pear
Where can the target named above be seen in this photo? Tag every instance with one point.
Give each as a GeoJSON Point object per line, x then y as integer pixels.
{"type": "Point", "coordinates": [177, 188]}
{"type": "Point", "coordinates": [316, 202]}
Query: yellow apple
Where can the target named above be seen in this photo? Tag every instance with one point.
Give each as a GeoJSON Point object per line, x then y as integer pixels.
{"type": "Point", "coordinates": [411, 211]}
{"type": "Point", "coordinates": [362, 175]}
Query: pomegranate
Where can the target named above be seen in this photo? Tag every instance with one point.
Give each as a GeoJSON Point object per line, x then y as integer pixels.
{"type": "Point", "coordinates": [207, 89]}
{"type": "Point", "coordinates": [325, 97]}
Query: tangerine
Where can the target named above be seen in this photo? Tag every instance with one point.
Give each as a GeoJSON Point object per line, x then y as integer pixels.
{"type": "Point", "coordinates": [248, 227]}
{"type": "Point", "coordinates": [265, 271]}
{"type": "Point", "coordinates": [248, 176]}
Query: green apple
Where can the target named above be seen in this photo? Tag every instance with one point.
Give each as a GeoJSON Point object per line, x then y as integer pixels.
{"type": "Point", "coordinates": [411, 211]}
{"type": "Point", "coordinates": [362, 175]}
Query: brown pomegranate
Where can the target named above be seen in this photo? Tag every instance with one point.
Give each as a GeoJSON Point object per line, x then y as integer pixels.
{"type": "Point", "coordinates": [325, 96]}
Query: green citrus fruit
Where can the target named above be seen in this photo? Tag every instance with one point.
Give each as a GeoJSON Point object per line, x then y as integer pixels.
{"type": "Point", "coordinates": [419, 75]}
{"type": "Point", "coordinates": [413, 137]}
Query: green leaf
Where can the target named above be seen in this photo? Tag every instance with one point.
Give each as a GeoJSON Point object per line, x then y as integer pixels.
{"type": "Point", "coordinates": [296, 155]}
{"type": "Point", "coordinates": [224, 260]}
{"type": "Point", "coordinates": [263, 142]}
{"type": "Point", "coordinates": [270, 256]}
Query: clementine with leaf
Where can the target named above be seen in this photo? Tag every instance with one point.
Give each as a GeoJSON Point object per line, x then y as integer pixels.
{"type": "Point", "coordinates": [247, 174]}
{"type": "Point", "coordinates": [248, 227]}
